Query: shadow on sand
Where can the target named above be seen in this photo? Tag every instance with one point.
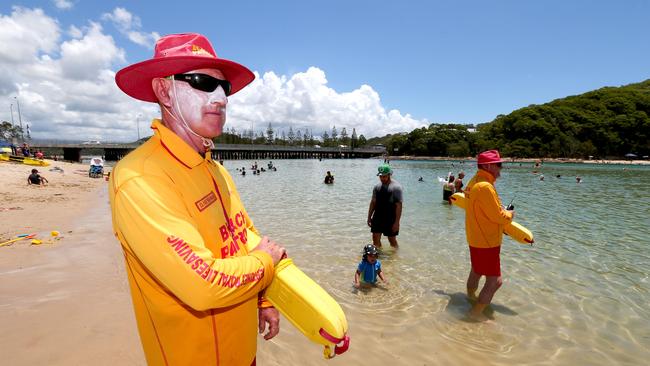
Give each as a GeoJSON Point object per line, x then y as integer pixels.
{"type": "Point", "coordinates": [459, 305]}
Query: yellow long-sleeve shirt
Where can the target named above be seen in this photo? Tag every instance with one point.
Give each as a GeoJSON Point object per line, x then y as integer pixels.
{"type": "Point", "coordinates": [186, 239]}
{"type": "Point", "coordinates": [484, 215]}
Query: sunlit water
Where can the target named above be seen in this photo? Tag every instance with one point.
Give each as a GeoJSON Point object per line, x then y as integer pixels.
{"type": "Point", "coordinates": [578, 296]}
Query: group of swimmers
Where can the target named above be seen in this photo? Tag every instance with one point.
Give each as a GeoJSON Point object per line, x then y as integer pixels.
{"type": "Point", "coordinates": [578, 178]}
{"type": "Point", "coordinates": [257, 170]}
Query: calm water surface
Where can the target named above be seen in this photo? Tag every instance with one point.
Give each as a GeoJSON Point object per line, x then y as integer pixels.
{"type": "Point", "coordinates": [579, 296]}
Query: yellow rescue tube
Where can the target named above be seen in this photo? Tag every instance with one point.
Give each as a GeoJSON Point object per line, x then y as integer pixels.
{"type": "Point", "coordinates": [309, 308]}
{"type": "Point", "coordinates": [513, 230]}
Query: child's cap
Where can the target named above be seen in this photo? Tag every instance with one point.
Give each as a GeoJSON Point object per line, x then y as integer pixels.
{"type": "Point", "coordinates": [370, 249]}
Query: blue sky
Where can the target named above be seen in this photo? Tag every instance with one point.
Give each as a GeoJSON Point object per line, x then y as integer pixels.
{"type": "Point", "coordinates": [420, 61]}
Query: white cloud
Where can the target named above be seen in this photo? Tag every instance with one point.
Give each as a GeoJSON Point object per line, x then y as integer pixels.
{"type": "Point", "coordinates": [75, 32]}
{"type": "Point", "coordinates": [63, 4]}
{"type": "Point", "coordinates": [123, 19]}
{"type": "Point", "coordinates": [82, 58]}
{"type": "Point", "coordinates": [129, 25]}
{"type": "Point", "coordinates": [304, 100]}
{"type": "Point", "coordinates": [143, 39]}
{"type": "Point", "coordinates": [25, 33]}
{"type": "Point", "coordinates": [67, 90]}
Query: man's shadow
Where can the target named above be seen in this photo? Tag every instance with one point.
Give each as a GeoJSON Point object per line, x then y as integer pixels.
{"type": "Point", "coordinates": [460, 305]}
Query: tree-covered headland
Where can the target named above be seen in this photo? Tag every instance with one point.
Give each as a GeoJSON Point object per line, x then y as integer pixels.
{"type": "Point", "coordinates": [606, 123]}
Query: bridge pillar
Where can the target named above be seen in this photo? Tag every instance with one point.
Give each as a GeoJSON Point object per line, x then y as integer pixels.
{"type": "Point", "coordinates": [72, 154]}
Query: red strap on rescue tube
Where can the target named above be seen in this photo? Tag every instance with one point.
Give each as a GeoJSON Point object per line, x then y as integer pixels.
{"type": "Point", "coordinates": [337, 349]}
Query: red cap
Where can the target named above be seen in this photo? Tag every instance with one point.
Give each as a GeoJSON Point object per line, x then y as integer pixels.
{"type": "Point", "coordinates": [489, 157]}
{"type": "Point", "coordinates": [176, 54]}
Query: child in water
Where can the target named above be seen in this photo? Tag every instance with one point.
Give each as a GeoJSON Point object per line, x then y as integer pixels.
{"type": "Point", "coordinates": [369, 267]}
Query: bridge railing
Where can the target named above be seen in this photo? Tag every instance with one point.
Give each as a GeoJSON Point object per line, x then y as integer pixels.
{"type": "Point", "coordinates": [114, 152]}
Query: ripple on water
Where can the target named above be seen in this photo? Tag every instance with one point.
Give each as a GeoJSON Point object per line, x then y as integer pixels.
{"type": "Point", "coordinates": [578, 296]}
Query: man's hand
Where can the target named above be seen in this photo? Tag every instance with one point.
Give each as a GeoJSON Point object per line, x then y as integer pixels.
{"type": "Point", "coordinates": [395, 227]}
{"type": "Point", "coordinates": [272, 317]}
{"type": "Point", "coordinates": [275, 251]}
{"type": "Point", "coordinates": [370, 222]}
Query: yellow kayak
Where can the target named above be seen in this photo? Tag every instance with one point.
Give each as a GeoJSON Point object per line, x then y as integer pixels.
{"type": "Point", "coordinates": [309, 308]}
{"type": "Point", "coordinates": [37, 162]}
{"type": "Point", "coordinates": [23, 160]}
{"type": "Point", "coordinates": [513, 230]}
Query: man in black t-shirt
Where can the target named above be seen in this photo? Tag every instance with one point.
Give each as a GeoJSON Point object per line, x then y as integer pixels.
{"type": "Point", "coordinates": [385, 210]}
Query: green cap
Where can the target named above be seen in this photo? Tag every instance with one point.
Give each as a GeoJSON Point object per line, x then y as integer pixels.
{"type": "Point", "coordinates": [384, 169]}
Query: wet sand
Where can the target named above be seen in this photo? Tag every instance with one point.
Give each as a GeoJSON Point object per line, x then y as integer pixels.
{"type": "Point", "coordinates": [64, 302]}
{"type": "Point", "coordinates": [67, 301]}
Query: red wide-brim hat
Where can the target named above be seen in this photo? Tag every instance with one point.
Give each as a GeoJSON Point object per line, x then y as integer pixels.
{"type": "Point", "coordinates": [176, 54]}
{"type": "Point", "coordinates": [489, 157]}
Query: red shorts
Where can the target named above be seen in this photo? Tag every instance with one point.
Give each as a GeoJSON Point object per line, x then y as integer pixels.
{"type": "Point", "coordinates": [486, 261]}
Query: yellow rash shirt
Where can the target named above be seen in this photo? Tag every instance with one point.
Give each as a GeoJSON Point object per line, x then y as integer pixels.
{"type": "Point", "coordinates": [187, 243]}
{"type": "Point", "coordinates": [484, 216]}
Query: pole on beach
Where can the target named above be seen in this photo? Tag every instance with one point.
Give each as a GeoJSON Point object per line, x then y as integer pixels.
{"type": "Point", "coordinates": [20, 119]}
{"type": "Point", "coordinates": [11, 107]}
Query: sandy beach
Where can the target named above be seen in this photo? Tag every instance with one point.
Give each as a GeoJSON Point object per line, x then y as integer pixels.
{"type": "Point", "coordinates": [66, 301]}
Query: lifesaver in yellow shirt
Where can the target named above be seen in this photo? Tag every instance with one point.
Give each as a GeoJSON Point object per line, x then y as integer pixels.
{"type": "Point", "coordinates": [309, 308]}
{"type": "Point", "coordinates": [513, 229]}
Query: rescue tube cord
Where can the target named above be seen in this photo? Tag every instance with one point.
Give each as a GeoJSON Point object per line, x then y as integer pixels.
{"type": "Point", "coordinates": [337, 349]}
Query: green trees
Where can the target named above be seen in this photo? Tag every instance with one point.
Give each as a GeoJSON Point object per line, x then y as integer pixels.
{"type": "Point", "coordinates": [608, 122]}
{"type": "Point", "coordinates": [9, 131]}
{"type": "Point", "coordinates": [604, 123]}
{"type": "Point", "coordinates": [435, 140]}
{"type": "Point", "coordinates": [354, 140]}
{"type": "Point", "coordinates": [269, 134]}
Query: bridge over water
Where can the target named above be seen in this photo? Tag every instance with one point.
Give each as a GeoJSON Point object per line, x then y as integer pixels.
{"type": "Point", "coordinates": [115, 152]}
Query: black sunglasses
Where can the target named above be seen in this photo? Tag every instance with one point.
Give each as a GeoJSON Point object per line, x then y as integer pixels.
{"type": "Point", "coordinates": [204, 82]}
{"type": "Point", "coordinates": [499, 165]}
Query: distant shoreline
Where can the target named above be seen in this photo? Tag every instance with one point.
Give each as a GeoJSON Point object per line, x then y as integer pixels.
{"type": "Point", "coordinates": [527, 160]}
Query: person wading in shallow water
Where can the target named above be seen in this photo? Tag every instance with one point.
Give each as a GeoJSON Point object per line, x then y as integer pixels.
{"type": "Point", "coordinates": [385, 210]}
{"type": "Point", "coordinates": [195, 262]}
{"type": "Point", "coordinates": [484, 221]}
{"type": "Point", "coordinates": [458, 183]}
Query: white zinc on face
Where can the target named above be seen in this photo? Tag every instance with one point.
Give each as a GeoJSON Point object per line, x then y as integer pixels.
{"type": "Point", "coordinates": [202, 113]}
